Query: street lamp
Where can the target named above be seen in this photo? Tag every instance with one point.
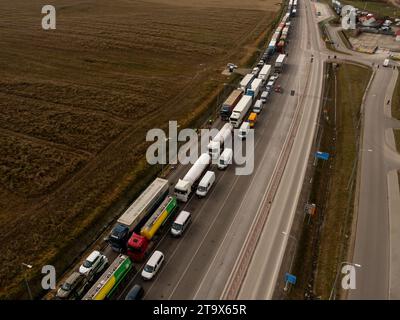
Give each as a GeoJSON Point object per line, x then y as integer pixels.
{"type": "Point", "coordinates": [333, 290]}
{"type": "Point", "coordinates": [27, 266]}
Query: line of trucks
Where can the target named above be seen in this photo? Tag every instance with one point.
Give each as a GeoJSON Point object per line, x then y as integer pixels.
{"type": "Point", "coordinates": [135, 233]}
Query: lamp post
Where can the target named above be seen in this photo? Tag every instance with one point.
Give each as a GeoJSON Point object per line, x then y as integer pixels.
{"type": "Point", "coordinates": [333, 290]}
{"type": "Point", "coordinates": [27, 266]}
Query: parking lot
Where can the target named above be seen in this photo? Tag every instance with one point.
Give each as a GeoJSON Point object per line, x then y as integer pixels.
{"type": "Point", "coordinates": [370, 42]}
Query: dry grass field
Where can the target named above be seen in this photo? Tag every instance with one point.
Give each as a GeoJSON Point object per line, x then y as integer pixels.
{"type": "Point", "coordinates": [76, 103]}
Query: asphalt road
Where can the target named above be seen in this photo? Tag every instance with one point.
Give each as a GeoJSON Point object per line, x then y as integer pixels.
{"type": "Point", "coordinates": [263, 270]}
{"type": "Point", "coordinates": [199, 264]}
{"type": "Point", "coordinates": [373, 245]}
{"type": "Point", "coordinates": [377, 234]}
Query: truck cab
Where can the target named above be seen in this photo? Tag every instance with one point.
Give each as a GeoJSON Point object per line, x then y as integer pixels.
{"type": "Point", "coordinates": [137, 247]}
{"type": "Point", "coordinates": [252, 119]}
{"type": "Point", "coordinates": [182, 190]}
{"type": "Point", "coordinates": [214, 149]}
{"type": "Point", "coordinates": [225, 112]}
{"type": "Point", "coordinates": [118, 237]}
{"type": "Point", "coordinates": [234, 119]}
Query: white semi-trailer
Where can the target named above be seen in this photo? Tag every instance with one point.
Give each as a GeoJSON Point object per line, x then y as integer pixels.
{"type": "Point", "coordinates": [240, 111]}
{"type": "Point", "coordinates": [254, 88]}
{"type": "Point", "coordinates": [185, 186]}
{"type": "Point", "coordinates": [216, 145]}
{"type": "Point", "coordinates": [280, 62]}
{"type": "Point", "coordinates": [246, 81]}
{"type": "Point", "coordinates": [144, 205]}
{"type": "Point", "coordinates": [265, 72]}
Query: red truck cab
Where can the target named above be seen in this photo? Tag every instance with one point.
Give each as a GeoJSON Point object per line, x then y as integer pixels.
{"type": "Point", "coordinates": [137, 247]}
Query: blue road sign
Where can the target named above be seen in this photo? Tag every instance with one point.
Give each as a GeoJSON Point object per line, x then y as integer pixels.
{"type": "Point", "coordinates": [290, 278]}
{"type": "Point", "coordinates": [322, 155]}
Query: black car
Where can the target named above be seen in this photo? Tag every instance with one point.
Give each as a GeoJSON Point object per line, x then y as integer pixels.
{"type": "Point", "coordinates": [136, 293]}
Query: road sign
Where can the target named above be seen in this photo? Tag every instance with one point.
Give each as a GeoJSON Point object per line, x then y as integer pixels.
{"type": "Point", "coordinates": [310, 208]}
{"type": "Point", "coordinates": [322, 155]}
{"type": "Point", "coordinates": [290, 278]}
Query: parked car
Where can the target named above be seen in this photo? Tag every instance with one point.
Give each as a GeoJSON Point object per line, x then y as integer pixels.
{"type": "Point", "coordinates": [278, 89]}
{"type": "Point", "coordinates": [72, 287]}
{"type": "Point", "coordinates": [180, 224]}
{"type": "Point", "coordinates": [386, 63]}
{"type": "Point", "coordinates": [264, 96]}
{"type": "Point", "coordinates": [136, 293]}
{"type": "Point", "coordinates": [269, 85]}
{"type": "Point", "coordinates": [153, 265]}
{"type": "Point", "coordinates": [258, 105]}
{"type": "Point", "coordinates": [93, 264]}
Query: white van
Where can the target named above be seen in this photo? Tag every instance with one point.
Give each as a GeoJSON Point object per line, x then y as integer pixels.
{"type": "Point", "coordinates": [225, 159]}
{"type": "Point", "coordinates": [258, 106]}
{"type": "Point", "coordinates": [180, 224]}
{"type": "Point", "coordinates": [270, 85]}
{"type": "Point", "coordinates": [93, 264]}
{"type": "Point", "coordinates": [386, 63]}
{"type": "Point", "coordinates": [264, 96]}
{"type": "Point", "coordinates": [244, 130]}
{"type": "Point", "coordinates": [153, 265]}
{"type": "Point", "coordinates": [205, 184]}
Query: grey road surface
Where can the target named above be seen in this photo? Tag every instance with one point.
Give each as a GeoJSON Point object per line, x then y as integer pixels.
{"type": "Point", "coordinates": [261, 277]}
{"type": "Point", "coordinates": [199, 264]}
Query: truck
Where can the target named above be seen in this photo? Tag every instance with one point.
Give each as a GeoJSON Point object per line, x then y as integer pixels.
{"type": "Point", "coordinates": [265, 72]}
{"type": "Point", "coordinates": [109, 281]}
{"type": "Point", "coordinates": [144, 205]}
{"type": "Point", "coordinates": [254, 88]}
{"type": "Point", "coordinates": [285, 31]}
{"type": "Point", "coordinates": [246, 81]}
{"type": "Point", "coordinates": [252, 119]}
{"type": "Point", "coordinates": [240, 111]}
{"type": "Point", "coordinates": [216, 145]}
{"type": "Point", "coordinates": [271, 47]}
{"type": "Point", "coordinates": [230, 103]}
{"type": "Point", "coordinates": [276, 36]}
{"type": "Point", "coordinates": [185, 186]}
{"type": "Point", "coordinates": [140, 243]}
{"type": "Point", "coordinates": [281, 46]}
{"type": "Point", "coordinates": [280, 62]}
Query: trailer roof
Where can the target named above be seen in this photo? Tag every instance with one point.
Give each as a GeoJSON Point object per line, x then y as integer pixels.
{"type": "Point", "coordinates": [143, 201]}
{"type": "Point", "coordinates": [233, 97]}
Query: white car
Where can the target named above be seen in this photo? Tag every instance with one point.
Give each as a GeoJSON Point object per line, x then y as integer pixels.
{"type": "Point", "coordinates": [274, 77]}
{"type": "Point", "coordinates": [153, 265]}
{"type": "Point", "coordinates": [93, 264]}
